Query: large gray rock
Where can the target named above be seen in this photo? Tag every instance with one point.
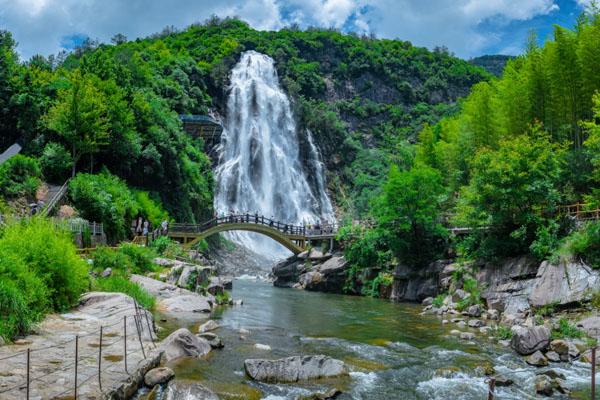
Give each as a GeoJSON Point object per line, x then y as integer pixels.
{"type": "Point", "coordinates": [288, 272]}
{"type": "Point", "coordinates": [157, 376]}
{"type": "Point", "coordinates": [293, 369]}
{"type": "Point", "coordinates": [177, 390]}
{"type": "Point", "coordinates": [590, 325]}
{"type": "Point", "coordinates": [190, 276]}
{"type": "Point", "coordinates": [182, 343]}
{"type": "Point", "coordinates": [157, 288]}
{"type": "Point", "coordinates": [412, 284]}
{"type": "Point", "coordinates": [184, 305]}
{"type": "Point", "coordinates": [526, 341]}
{"type": "Point", "coordinates": [563, 284]}
{"type": "Point", "coordinates": [508, 283]}
{"type": "Point", "coordinates": [537, 359]}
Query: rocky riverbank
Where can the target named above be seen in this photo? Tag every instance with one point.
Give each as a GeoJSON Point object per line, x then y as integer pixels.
{"type": "Point", "coordinates": [540, 310]}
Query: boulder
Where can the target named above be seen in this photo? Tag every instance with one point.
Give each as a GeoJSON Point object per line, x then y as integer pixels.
{"type": "Point", "coordinates": [264, 347]}
{"type": "Point", "coordinates": [287, 272]}
{"type": "Point", "coordinates": [543, 385]}
{"type": "Point", "coordinates": [214, 340]}
{"type": "Point", "coordinates": [476, 323]}
{"type": "Point", "coordinates": [590, 325]}
{"type": "Point", "coordinates": [467, 336]}
{"type": "Point", "coordinates": [215, 287]}
{"type": "Point", "coordinates": [537, 359]}
{"type": "Point", "coordinates": [158, 289]}
{"type": "Point", "coordinates": [553, 356]}
{"type": "Point", "coordinates": [527, 341]}
{"type": "Point", "coordinates": [563, 284]}
{"type": "Point", "coordinates": [209, 325]}
{"type": "Point", "coordinates": [158, 376]}
{"type": "Point", "coordinates": [474, 311]}
{"type": "Point", "coordinates": [182, 343]}
{"type": "Point", "coordinates": [328, 395]}
{"type": "Point", "coordinates": [561, 347]}
{"type": "Point", "coordinates": [106, 273]}
{"type": "Point", "coordinates": [185, 304]}
{"type": "Point", "coordinates": [189, 390]}
{"type": "Point", "coordinates": [502, 381]}
{"type": "Point", "coordinates": [293, 369]}
{"type": "Point", "coordinates": [427, 301]}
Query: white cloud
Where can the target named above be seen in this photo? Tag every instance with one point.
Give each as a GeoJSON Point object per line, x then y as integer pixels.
{"type": "Point", "coordinates": [39, 25]}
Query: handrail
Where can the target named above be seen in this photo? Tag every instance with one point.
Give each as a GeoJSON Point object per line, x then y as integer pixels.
{"type": "Point", "coordinates": [255, 219]}
{"type": "Point", "coordinates": [57, 197]}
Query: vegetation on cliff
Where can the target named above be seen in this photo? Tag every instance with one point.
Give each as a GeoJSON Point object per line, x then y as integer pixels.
{"type": "Point", "coordinates": [521, 145]}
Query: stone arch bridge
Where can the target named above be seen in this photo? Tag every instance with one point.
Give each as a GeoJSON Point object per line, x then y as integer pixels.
{"type": "Point", "coordinates": [296, 238]}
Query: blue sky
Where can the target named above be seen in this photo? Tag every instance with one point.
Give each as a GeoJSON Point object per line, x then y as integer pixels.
{"type": "Point", "coordinates": [467, 27]}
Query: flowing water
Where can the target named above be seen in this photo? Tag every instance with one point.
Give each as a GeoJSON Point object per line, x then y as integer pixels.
{"type": "Point", "coordinates": [261, 168]}
{"type": "Point", "coordinates": [392, 351]}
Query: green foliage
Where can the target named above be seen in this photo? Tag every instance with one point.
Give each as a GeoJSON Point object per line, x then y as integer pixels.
{"type": "Point", "coordinates": [141, 258]}
{"type": "Point", "coordinates": [123, 285]}
{"type": "Point", "coordinates": [372, 288]}
{"type": "Point", "coordinates": [19, 176]}
{"type": "Point", "coordinates": [583, 243]}
{"type": "Point", "coordinates": [80, 116]}
{"type": "Point", "coordinates": [223, 298]}
{"type": "Point", "coordinates": [106, 198]}
{"type": "Point", "coordinates": [106, 257]}
{"type": "Point", "coordinates": [511, 192]}
{"type": "Point", "coordinates": [168, 248]}
{"type": "Point", "coordinates": [409, 211]}
{"type": "Point", "coordinates": [438, 300]}
{"type": "Point", "coordinates": [40, 272]}
{"type": "Point", "coordinates": [566, 330]}
{"type": "Point", "coordinates": [56, 163]}
{"type": "Point", "coordinates": [503, 332]}
{"type": "Point", "coordinates": [16, 317]}
{"type": "Point", "coordinates": [546, 310]}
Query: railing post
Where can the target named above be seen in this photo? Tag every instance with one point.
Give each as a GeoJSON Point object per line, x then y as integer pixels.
{"type": "Point", "coordinates": [125, 341]}
{"type": "Point", "coordinates": [100, 361]}
{"type": "Point", "coordinates": [491, 388]}
{"type": "Point", "coordinates": [594, 373]}
{"type": "Point", "coordinates": [140, 336]}
{"type": "Point", "coordinates": [76, 360]}
{"type": "Point", "coordinates": [28, 369]}
{"type": "Point", "coordinates": [149, 329]}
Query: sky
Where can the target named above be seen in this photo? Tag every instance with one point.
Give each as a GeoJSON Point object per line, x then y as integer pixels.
{"type": "Point", "coordinates": [468, 28]}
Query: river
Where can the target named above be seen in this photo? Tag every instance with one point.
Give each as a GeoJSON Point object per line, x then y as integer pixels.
{"type": "Point", "coordinates": [393, 352]}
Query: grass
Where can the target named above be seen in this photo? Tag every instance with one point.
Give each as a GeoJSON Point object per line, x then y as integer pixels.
{"type": "Point", "coordinates": [123, 285]}
{"type": "Point", "coordinates": [566, 330]}
{"type": "Point", "coordinates": [504, 332]}
{"type": "Point", "coordinates": [438, 301]}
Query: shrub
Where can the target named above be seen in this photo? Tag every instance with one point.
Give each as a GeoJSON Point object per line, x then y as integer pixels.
{"type": "Point", "coordinates": [504, 332]}
{"type": "Point", "coordinates": [120, 284]}
{"type": "Point", "coordinates": [141, 259]}
{"type": "Point", "coordinates": [438, 301]}
{"type": "Point", "coordinates": [166, 247]}
{"type": "Point", "coordinates": [546, 310]}
{"type": "Point", "coordinates": [116, 260]}
{"type": "Point", "coordinates": [106, 198]}
{"type": "Point", "coordinates": [56, 163]}
{"type": "Point", "coordinates": [49, 253]}
{"type": "Point", "coordinates": [19, 176]}
{"type": "Point", "coordinates": [566, 330]}
{"type": "Point", "coordinates": [583, 243]}
{"type": "Point", "coordinates": [15, 316]}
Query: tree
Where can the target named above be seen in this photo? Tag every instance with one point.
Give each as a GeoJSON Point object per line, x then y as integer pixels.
{"type": "Point", "coordinates": [80, 117]}
{"type": "Point", "coordinates": [8, 72]}
{"type": "Point", "coordinates": [409, 210]}
{"type": "Point", "coordinates": [118, 39]}
{"type": "Point", "coordinates": [513, 193]}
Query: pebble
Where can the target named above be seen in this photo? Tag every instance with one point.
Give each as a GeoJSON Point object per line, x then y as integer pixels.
{"type": "Point", "coordinates": [265, 347]}
{"type": "Point", "coordinates": [467, 336]}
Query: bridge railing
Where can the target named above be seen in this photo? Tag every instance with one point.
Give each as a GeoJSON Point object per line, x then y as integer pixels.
{"type": "Point", "coordinates": [289, 229]}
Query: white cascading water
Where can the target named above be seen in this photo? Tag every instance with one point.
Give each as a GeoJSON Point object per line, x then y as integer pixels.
{"type": "Point", "coordinates": [259, 169]}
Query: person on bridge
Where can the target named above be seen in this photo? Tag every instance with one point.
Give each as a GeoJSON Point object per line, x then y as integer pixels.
{"type": "Point", "coordinates": [146, 227]}
{"type": "Point", "coordinates": [138, 229]}
{"type": "Point", "coordinates": [165, 227]}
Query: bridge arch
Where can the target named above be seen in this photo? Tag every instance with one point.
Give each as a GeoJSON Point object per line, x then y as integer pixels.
{"type": "Point", "coordinates": [294, 243]}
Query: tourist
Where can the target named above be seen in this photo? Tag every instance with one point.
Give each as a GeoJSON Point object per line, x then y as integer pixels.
{"type": "Point", "coordinates": [146, 226]}
{"type": "Point", "coordinates": [165, 227]}
{"type": "Point", "coordinates": [138, 229]}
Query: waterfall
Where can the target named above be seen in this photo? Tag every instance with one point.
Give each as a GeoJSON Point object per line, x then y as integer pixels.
{"type": "Point", "coordinates": [259, 168]}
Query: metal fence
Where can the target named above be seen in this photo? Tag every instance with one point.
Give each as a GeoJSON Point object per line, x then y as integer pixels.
{"type": "Point", "coordinates": [84, 366]}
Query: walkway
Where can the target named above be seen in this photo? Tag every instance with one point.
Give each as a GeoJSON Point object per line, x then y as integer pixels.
{"type": "Point", "coordinates": [296, 238]}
